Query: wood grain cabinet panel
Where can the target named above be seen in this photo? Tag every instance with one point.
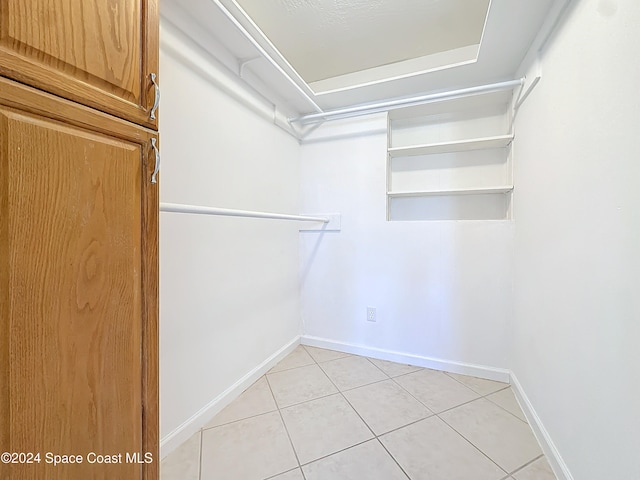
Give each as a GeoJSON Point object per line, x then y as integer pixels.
{"type": "Point", "coordinates": [78, 289]}
{"type": "Point", "coordinates": [98, 53]}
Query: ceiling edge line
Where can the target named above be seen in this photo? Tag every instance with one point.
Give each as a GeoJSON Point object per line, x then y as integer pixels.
{"type": "Point", "coordinates": [264, 53]}
{"type": "Point", "coordinates": [279, 57]}
{"type": "Point", "coordinates": [484, 28]}
{"type": "Point", "coordinates": [393, 78]}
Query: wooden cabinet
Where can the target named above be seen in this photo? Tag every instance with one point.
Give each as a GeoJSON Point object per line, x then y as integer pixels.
{"type": "Point", "coordinates": [78, 286]}
{"type": "Point", "coordinates": [78, 238]}
{"type": "Point", "coordinates": [98, 53]}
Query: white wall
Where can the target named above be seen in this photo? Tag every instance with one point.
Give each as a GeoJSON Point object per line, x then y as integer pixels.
{"type": "Point", "coordinates": [229, 286]}
{"type": "Point", "coordinates": [575, 349]}
{"type": "Point", "coordinates": [442, 290]}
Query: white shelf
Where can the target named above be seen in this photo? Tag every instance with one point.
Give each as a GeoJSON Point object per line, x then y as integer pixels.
{"type": "Point", "coordinates": [454, 106]}
{"type": "Point", "coordinates": [500, 141]}
{"type": "Point", "coordinates": [461, 191]}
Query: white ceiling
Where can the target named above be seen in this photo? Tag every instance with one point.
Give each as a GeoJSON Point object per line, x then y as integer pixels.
{"type": "Point", "coordinates": [349, 52]}
{"type": "Point", "coordinates": [322, 39]}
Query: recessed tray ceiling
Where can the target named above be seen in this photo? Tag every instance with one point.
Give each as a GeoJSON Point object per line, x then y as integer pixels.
{"type": "Point", "coordinates": [352, 40]}
{"type": "Point", "coordinates": [337, 44]}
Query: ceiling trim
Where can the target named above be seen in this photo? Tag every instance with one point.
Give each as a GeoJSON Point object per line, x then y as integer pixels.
{"type": "Point", "coordinates": [272, 77]}
{"type": "Point", "coordinates": [388, 73]}
{"type": "Point", "coordinates": [223, 8]}
{"type": "Point", "coordinates": [274, 55]}
{"type": "Point", "coordinates": [466, 58]}
{"type": "Point", "coordinates": [364, 78]}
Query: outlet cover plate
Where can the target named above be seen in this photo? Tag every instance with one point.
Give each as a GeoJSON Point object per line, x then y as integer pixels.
{"type": "Point", "coordinates": [371, 314]}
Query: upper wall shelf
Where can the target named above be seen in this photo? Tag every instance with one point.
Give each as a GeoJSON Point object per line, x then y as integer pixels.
{"type": "Point", "coordinates": [499, 141]}
{"type": "Point", "coordinates": [458, 191]}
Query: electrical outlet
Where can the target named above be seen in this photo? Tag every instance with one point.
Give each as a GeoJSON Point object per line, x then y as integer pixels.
{"type": "Point", "coordinates": [371, 314]}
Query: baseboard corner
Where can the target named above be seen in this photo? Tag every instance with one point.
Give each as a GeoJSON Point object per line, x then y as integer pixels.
{"type": "Point", "coordinates": [549, 448]}
{"type": "Point", "coordinates": [177, 437]}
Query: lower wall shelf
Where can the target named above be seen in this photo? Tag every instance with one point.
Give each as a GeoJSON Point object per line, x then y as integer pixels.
{"type": "Point", "coordinates": [462, 204]}
{"type": "Point", "coordinates": [460, 191]}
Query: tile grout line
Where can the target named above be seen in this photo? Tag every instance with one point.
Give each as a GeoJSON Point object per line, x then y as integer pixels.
{"type": "Point", "coordinates": [407, 425]}
{"type": "Point", "coordinates": [412, 395]}
{"type": "Point", "coordinates": [450, 375]}
{"type": "Point", "coordinates": [329, 394]}
{"type": "Point", "coordinates": [369, 360]}
{"type": "Point", "coordinates": [458, 406]}
{"type": "Point", "coordinates": [200, 455]}
{"type": "Point", "coordinates": [310, 400]}
{"type": "Point", "coordinates": [427, 406]}
{"type": "Point", "coordinates": [353, 388]}
{"type": "Point", "coordinates": [366, 385]}
{"type": "Point", "coordinates": [393, 458]}
{"type": "Point", "coordinates": [290, 368]}
{"type": "Point", "coordinates": [338, 392]}
{"type": "Point", "coordinates": [375, 436]}
{"type": "Point", "coordinates": [393, 378]}
{"type": "Point", "coordinates": [280, 408]}
{"type": "Point", "coordinates": [473, 445]}
{"type": "Point", "coordinates": [503, 408]}
{"type": "Point", "coordinates": [349, 403]}
{"type": "Point", "coordinates": [469, 441]}
{"type": "Point", "coordinates": [288, 471]}
{"type": "Point", "coordinates": [285, 426]}
{"type": "Point", "coordinates": [336, 452]}
{"type": "Point", "coordinates": [508, 386]}
{"type": "Point", "coordinates": [345, 355]}
{"type": "Point", "coordinates": [478, 448]}
{"type": "Point", "coordinates": [204, 429]}
{"type": "Point", "coordinates": [485, 395]}
{"type": "Point", "coordinates": [437, 414]}
{"type": "Point", "coordinates": [522, 467]}
{"type": "Point", "coordinates": [417, 368]}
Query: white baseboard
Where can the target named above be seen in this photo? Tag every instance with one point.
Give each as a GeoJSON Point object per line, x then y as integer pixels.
{"type": "Point", "coordinates": [199, 419]}
{"type": "Point", "coordinates": [482, 371]}
{"type": "Point", "coordinates": [542, 435]}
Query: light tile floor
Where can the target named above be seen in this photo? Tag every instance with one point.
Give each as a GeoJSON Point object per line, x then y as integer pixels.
{"type": "Point", "coordinates": [326, 415]}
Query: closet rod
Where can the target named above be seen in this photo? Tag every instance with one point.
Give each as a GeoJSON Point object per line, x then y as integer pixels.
{"type": "Point", "coordinates": [227, 212]}
{"type": "Point", "coordinates": [406, 102]}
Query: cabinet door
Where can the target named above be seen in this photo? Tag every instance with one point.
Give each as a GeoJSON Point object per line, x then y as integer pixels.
{"type": "Point", "coordinates": [78, 290]}
{"type": "Point", "coordinates": [96, 52]}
